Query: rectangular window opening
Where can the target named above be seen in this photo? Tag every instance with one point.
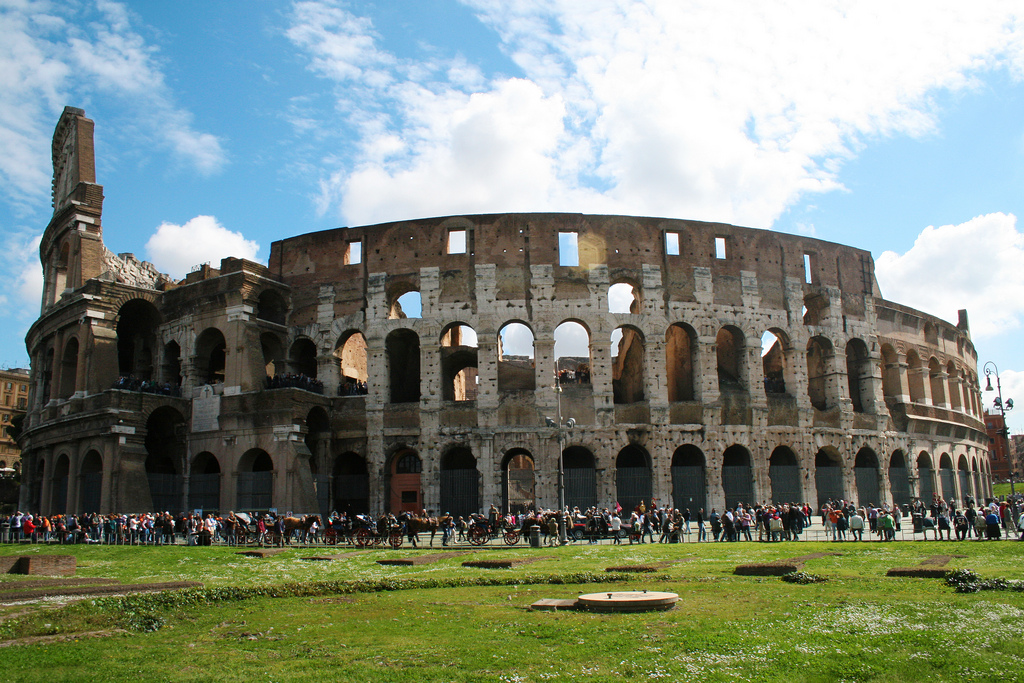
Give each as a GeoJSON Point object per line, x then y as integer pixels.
{"type": "Point", "coordinates": [354, 253]}
{"type": "Point", "coordinates": [568, 249]}
{"type": "Point", "coordinates": [720, 248]}
{"type": "Point", "coordinates": [809, 268]}
{"type": "Point", "coordinates": [456, 241]}
{"type": "Point", "coordinates": [672, 243]}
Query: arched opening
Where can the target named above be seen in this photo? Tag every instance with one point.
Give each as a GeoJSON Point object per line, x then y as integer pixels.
{"type": "Point", "coordinates": [899, 479]}
{"type": "Point", "coordinates": [955, 382]}
{"type": "Point", "coordinates": [820, 356]}
{"type": "Point", "coordinates": [979, 493]}
{"type": "Point", "coordinates": [892, 387]}
{"type": "Point", "coordinates": [784, 472]}
{"type": "Point", "coordinates": [460, 482]}
{"type": "Point", "coordinates": [947, 478]}
{"type": "Point", "coordinates": [91, 483]}
{"type": "Point", "coordinates": [255, 480]}
{"type": "Point", "coordinates": [915, 377]}
{"type": "Point", "coordinates": [964, 473]}
{"type": "Point", "coordinates": [351, 354]}
{"type": "Point", "coordinates": [627, 365]}
{"type": "Point", "coordinates": [518, 482]}
{"type": "Point", "coordinates": [858, 375]}
{"type": "Point", "coordinates": [580, 477]}
{"type": "Point", "coordinates": [165, 457]}
{"type": "Point", "coordinates": [302, 358]}
{"type": "Point", "coordinates": [69, 369]}
{"type": "Point", "coordinates": [925, 478]}
{"type": "Point", "coordinates": [828, 476]}
{"type": "Point", "coordinates": [170, 370]}
{"type": "Point", "coordinates": [866, 471]}
{"type": "Point", "coordinates": [938, 382]}
{"type": "Point", "coordinates": [516, 371]}
{"type": "Point", "coordinates": [273, 354]}
{"type": "Point", "coordinates": [623, 297]}
{"type": "Point", "coordinates": [405, 303]}
{"type": "Point", "coordinates": [689, 479]}
{"type": "Point", "coordinates": [211, 356]}
{"type": "Point", "coordinates": [404, 483]}
{"type": "Point", "coordinates": [775, 349]}
{"type": "Point", "coordinates": [633, 477]}
{"type": "Point", "coordinates": [204, 483]}
{"type": "Point", "coordinates": [458, 363]}
{"type": "Point", "coordinates": [351, 484]}
{"type": "Point", "coordinates": [403, 350]}
{"type": "Point", "coordinates": [318, 441]}
{"type": "Point", "coordinates": [815, 308]}
{"type": "Point", "coordinates": [572, 353]}
{"type": "Point", "coordinates": [737, 476]}
{"type": "Point", "coordinates": [680, 361]}
{"type": "Point", "coordinates": [138, 323]}
{"type": "Point", "coordinates": [730, 352]}
{"type": "Point", "coordinates": [60, 272]}
{"type": "Point", "coordinates": [47, 376]}
{"type": "Point", "coordinates": [271, 307]}
{"type": "Point", "coordinates": [59, 490]}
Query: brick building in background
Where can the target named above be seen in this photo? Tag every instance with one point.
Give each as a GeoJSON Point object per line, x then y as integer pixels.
{"type": "Point", "coordinates": [13, 402]}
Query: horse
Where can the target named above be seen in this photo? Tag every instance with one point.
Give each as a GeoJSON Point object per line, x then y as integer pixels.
{"type": "Point", "coordinates": [293, 524]}
{"type": "Point", "coordinates": [415, 525]}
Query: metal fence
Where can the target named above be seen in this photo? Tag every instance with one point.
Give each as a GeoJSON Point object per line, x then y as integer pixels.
{"type": "Point", "coordinates": [738, 485]}
{"type": "Point", "coordinates": [689, 488]}
{"type": "Point", "coordinates": [165, 491]}
{"type": "Point", "coordinates": [460, 492]}
{"type": "Point", "coordinates": [581, 487]}
{"type": "Point", "coordinates": [351, 493]}
{"type": "Point", "coordinates": [255, 490]}
{"type": "Point", "coordinates": [829, 484]}
{"type": "Point", "coordinates": [925, 484]}
{"type": "Point", "coordinates": [899, 484]}
{"type": "Point", "coordinates": [632, 484]}
{"type": "Point", "coordinates": [519, 488]}
{"type": "Point", "coordinates": [867, 486]}
{"type": "Point", "coordinates": [785, 484]}
{"type": "Point", "coordinates": [204, 492]}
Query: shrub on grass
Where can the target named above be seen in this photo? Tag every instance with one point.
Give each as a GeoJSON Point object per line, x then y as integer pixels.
{"type": "Point", "coordinates": [966, 581]}
{"type": "Point", "coordinates": [803, 578]}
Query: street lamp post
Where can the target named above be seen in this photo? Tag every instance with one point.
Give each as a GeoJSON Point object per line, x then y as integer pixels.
{"type": "Point", "coordinates": [562, 426]}
{"type": "Point", "coordinates": [1003, 406]}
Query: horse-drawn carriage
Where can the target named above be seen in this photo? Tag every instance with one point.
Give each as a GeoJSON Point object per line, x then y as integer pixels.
{"type": "Point", "coordinates": [482, 530]}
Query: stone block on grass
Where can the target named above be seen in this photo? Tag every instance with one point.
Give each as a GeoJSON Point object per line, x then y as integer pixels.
{"type": "Point", "coordinates": [766, 569]}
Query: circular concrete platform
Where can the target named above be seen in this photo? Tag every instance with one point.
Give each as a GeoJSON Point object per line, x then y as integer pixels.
{"type": "Point", "coordinates": [627, 601]}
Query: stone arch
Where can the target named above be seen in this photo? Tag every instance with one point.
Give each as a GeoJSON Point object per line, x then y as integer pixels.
{"type": "Point", "coordinates": [403, 352]}
{"type": "Point", "coordinates": [892, 388]}
{"type": "Point", "coordinates": [820, 378]}
{"type": "Point", "coordinates": [689, 479]}
{"type": "Point", "coordinates": [633, 477]}
{"type": "Point", "coordinates": [351, 484]}
{"type": "Point", "coordinates": [776, 362]}
{"type": "Point", "coordinates": [964, 476]}
{"type": "Point", "coordinates": [69, 369]}
{"type": "Point", "coordinates": [931, 334]}
{"type": "Point", "coordinates": [954, 380]}
{"type": "Point", "coordinates": [937, 379]}
{"type": "Point", "coordinates": [624, 297]}
{"type": "Point", "coordinates": [858, 374]}
{"type": "Point", "coordinates": [628, 359]}
{"type": "Point", "coordinates": [90, 482]}
{"type": "Point", "coordinates": [459, 362]}
{"type": "Point", "coordinates": [211, 356]}
{"type": "Point", "coordinates": [915, 377]}
{"type": "Point", "coordinates": [680, 361]}
{"type": "Point", "coordinates": [271, 307]}
{"type": "Point", "coordinates": [255, 480]}
{"type": "Point", "coordinates": [516, 371]}
{"type": "Point", "coordinates": [302, 357]}
{"type": "Point", "coordinates": [925, 478]}
{"type": "Point", "coordinates": [737, 476]}
{"type": "Point", "coordinates": [580, 469]}
{"type": "Point", "coordinates": [138, 324]}
{"type": "Point", "coordinates": [572, 352]}
{"type": "Point", "coordinates": [165, 457]}
{"type": "Point", "coordinates": [460, 482]}
{"type": "Point", "coordinates": [947, 477]}
{"type": "Point", "coordinates": [979, 493]}
{"type": "Point", "coordinates": [404, 481]}
{"type": "Point", "coordinates": [828, 475]}
{"type": "Point", "coordinates": [204, 483]}
{"type": "Point", "coordinates": [867, 474]}
{"type": "Point", "coordinates": [404, 301]}
{"type": "Point", "coordinates": [518, 485]}
{"type": "Point", "coordinates": [170, 369]}
{"type": "Point", "coordinates": [273, 353]}
{"type": "Point", "coordinates": [352, 363]}
{"type": "Point", "coordinates": [730, 351]}
{"type": "Point", "coordinates": [59, 485]}
{"type": "Point", "coordinates": [815, 308]}
{"type": "Point", "coordinates": [899, 479]}
{"type": "Point", "coordinates": [784, 473]}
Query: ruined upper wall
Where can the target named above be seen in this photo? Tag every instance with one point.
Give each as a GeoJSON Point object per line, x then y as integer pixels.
{"type": "Point", "coordinates": [515, 242]}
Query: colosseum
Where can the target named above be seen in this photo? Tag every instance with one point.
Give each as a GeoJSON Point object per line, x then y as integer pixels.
{"type": "Point", "coordinates": [451, 363]}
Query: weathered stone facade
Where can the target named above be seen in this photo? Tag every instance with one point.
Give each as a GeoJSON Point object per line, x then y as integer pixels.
{"type": "Point", "coordinates": [434, 344]}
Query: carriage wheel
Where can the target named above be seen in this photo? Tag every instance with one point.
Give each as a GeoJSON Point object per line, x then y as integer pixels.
{"type": "Point", "coordinates": [635, 536]}
{"type": "Point", "coordinates": [478, 535]}
{"type": "Point", "coordinates": [395, 539]}
{"type": "Point", "coordinates": [363, 538]}
{"type": "Point", "coordinates": [240, 537]}
{"type": "Point", "coordinates": [331, 537]}
{"type": "Point", "coordinates": [511, 537]}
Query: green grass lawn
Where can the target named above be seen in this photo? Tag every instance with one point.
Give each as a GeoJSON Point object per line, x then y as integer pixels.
{"type": "Point", "coordinates": [858, 626]}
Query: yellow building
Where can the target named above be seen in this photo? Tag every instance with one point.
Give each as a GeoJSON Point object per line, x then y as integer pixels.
{"type": "Point", "coordinates": [13, 402]}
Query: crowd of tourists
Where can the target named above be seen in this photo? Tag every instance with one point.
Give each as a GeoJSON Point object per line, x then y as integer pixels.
{"type": "Point", "coordinates": [146, 386]}
{"type": "Point", "coordinates": [352, 388]}
{"type": "Point", "coordinates": [297, 381]}
{"type": "Point", "coordinates": [840, 521]}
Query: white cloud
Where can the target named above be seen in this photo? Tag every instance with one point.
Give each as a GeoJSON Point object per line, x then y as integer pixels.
{"type": "Point", "coordinates": [974, 265]}
{"type": "Point", "coordinates": [54, 54]}
{"type": "Point", "coordinates": [714, 109]}
{"type": "Point", "coordinates": [174, 249]}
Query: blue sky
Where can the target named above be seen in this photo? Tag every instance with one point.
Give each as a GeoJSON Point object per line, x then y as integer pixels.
{"type": "Point", "coordinates": [220, 127]}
